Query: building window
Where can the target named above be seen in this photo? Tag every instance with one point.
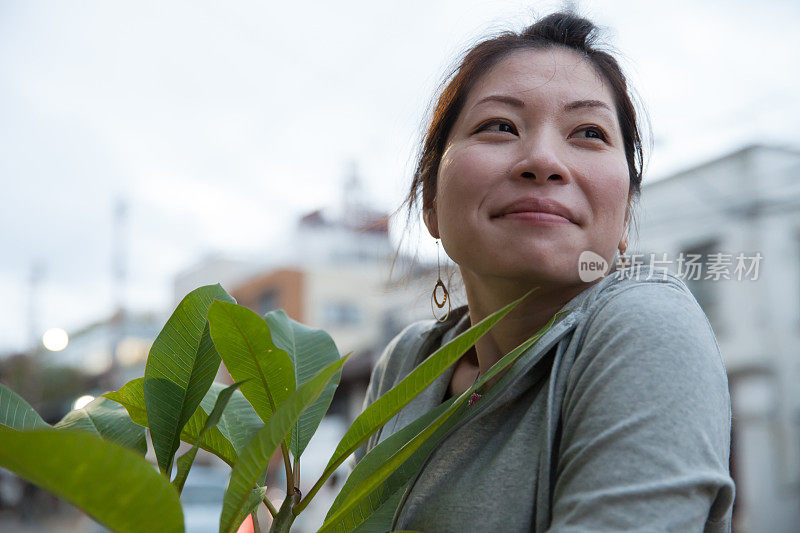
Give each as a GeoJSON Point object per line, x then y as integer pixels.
{"type": "Point", "coordinates": [341, 314]}
{"type": "Point", "coordinates": [267, 301]}
{"type": "Point", "coordinates": [797, 269]}
{"type": "Point", "coordinates": [703, 289]}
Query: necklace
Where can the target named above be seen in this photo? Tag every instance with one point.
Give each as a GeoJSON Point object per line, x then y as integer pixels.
{"type": "Point", "coordinates": [475, 396]}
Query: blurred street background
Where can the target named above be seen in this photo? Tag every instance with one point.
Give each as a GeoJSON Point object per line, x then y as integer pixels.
{"type": "Point", "coordinates": [149, 148]}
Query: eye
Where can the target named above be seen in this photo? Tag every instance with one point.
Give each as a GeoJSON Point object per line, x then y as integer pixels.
{"type": "Point", "coordinates": [593, 132]}
{"type": "Point", "coordinates": [497, 126]}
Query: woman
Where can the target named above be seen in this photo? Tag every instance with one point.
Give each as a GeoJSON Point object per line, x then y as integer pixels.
{"type": "Point", "coordinates": [618, 419]}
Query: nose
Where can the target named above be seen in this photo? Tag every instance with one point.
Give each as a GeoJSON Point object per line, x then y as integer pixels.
{"type": "Point", "coordinates": [540, 160]}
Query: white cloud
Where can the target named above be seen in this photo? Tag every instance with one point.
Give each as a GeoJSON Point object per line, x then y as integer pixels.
{"type": "Point", "coordinates": [222, 122]}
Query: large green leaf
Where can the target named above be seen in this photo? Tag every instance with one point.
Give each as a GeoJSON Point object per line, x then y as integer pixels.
{"type": "Point", "coordinates": [180, 368]}
{"type": "Point", "coordinates": [239, 421]}
{"type": "Point", "coordinates": [388, 405]}
{"type": "Point", "coordinates": [236, 427]}
{"type": "Point", "coordinates": [113, 484]}
{"type": "Point", "coordinates": [383, 451]}
{"type": "Point", "coordinates": [388, 495]}
{"type": "Point", "coordinates": [257, 495]}
{"type": "Point", "coordinates": [310, 350]}
{"type": "Point", "coordinates": [390, 471]}
{"type": "Point", "coordinates": [256, 455]}
{"type": "Point", "coordinates": [16, 413]}
{"type": "Point", "coordinates": [384, 514]}
{"type": "Point", "coordinates": [390, 476]}
{"type": "Point", "coordinates": [244, 342]}
{"type": "Point", "coordinates": [109, 420]}
{"type": "Point", "coordinates": [185, 461]}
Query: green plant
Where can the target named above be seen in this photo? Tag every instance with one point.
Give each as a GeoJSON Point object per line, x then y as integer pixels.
{"type": "Point", "coordinates": [285, 373]}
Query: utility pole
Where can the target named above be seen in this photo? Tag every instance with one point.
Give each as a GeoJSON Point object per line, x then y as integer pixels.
{"type": "Point", "coordinates": [35, 277]}
{"type": "Point", "coordinates": [569, 6]}
{"type": "Point", "coordinates": [31, 376]}
{"type": "Point", "coordinates": [355, 203]}
{"type": "Point", "coordinates": [119, 277]}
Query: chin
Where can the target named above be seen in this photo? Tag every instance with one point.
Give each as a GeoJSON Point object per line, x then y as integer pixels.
{"type": "Point", "coordinates": [551, 277]}
{"type": "Point", "coordinates": [532, 271]}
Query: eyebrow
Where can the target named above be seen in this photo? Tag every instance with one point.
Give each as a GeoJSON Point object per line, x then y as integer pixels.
{"type": "Point", "coordinates": [503, 99]}
{"type": "Point", "coordinates": [578, 104]}
{"type": "Point", "coordinates": [516, 102]}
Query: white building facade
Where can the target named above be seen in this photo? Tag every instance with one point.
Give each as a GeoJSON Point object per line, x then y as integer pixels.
{"type": "Point", "coordinates": [332, 274]}
{"type": "Point", "coordinates": [740, 216]}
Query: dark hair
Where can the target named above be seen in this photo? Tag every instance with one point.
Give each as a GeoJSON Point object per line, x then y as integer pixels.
{"type": "Point", "coordinates": [558, 29]}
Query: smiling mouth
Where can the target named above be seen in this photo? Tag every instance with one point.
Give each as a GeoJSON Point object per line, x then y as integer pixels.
{"type": "Point", "coordinates": [535, 217]}
{"type": "Point", "coordinates": [535, 209]}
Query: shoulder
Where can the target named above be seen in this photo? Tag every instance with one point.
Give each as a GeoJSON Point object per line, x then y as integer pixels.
{"type": "Point", "coordinates": [630, 283]}
{"type": "Point", "coordinates": [652, 331]}
{"type": "Point", "coordinates": [645, 412]}
{"type": "Point", "coordinates": [642, 302]}
{"type": "Point", "coordinates": [398, 359]}
{"type": "Point", "coordinates": [408, 348]}
{"type": "Point", "coordinates": [389, 362]}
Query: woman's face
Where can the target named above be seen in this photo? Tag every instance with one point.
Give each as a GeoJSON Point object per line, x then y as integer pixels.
{"type": "Point", "coordinates": [539, 125]}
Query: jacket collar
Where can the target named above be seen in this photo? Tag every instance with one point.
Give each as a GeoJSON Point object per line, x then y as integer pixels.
{"type": "Point", "coordinates": [459, 321]}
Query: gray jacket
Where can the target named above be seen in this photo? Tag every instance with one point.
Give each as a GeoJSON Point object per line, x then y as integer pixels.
{"type": "Point", "coordinates": [618, 419]}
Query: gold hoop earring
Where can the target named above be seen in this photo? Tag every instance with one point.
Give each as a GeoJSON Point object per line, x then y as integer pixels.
{"type": "Point", "coordinates": [445, 292]}
{"type": "Point", "coordinates": [623, 260]}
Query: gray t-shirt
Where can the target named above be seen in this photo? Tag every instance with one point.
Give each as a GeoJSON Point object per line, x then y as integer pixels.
{"type": "Point", "coordinates": [618, 419]}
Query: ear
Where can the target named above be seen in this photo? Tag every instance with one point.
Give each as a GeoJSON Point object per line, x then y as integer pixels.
{"type": "Point", "coordinates": [623, 241]}
{"type": "Point", "coordinates": [431, 221]}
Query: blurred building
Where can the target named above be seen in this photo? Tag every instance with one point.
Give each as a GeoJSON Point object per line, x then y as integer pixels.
{"type": "Point", "coordinates": [118, 345]}
{"type": "Point", "coordinates": [738, 216]}
{"type": "Point", "coordinates": [331, 272]}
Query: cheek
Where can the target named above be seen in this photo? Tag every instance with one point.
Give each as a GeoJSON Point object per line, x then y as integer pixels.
{"type": "Point", "coordinates": [466, 173]}
{"type": "Point", "coordinates": [464, 178]}
{"type": "Point", "coordinates": [608, 196]}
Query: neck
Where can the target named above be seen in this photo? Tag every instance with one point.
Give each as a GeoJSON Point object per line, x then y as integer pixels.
{"type": "Point", "coordinates": [485, 296]}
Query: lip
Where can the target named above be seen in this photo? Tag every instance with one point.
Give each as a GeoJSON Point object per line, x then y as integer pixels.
{"type": "Point", "coordinates": [536, 209]}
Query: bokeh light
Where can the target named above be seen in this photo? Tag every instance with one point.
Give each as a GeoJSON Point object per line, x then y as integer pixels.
{"type": "Point", "coordinates": [82, 402]}
{"type": "Point", "coordinates": [55, 339]}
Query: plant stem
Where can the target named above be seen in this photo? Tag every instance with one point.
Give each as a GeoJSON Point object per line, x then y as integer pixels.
{"type": "Point", "coordinates": [256, 526]}
{"type": "Point", "coordinates": [270, 507]}
{"type": "Point", "coordinates": [287, 463]}
{"type": "Point", "coordinates": [304, 503]}
{"type": "Point", "coordinates": [283, 521]}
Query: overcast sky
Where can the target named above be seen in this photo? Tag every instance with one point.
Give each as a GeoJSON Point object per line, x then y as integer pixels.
{"type": "Point", "coordinates": [221, 122]}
